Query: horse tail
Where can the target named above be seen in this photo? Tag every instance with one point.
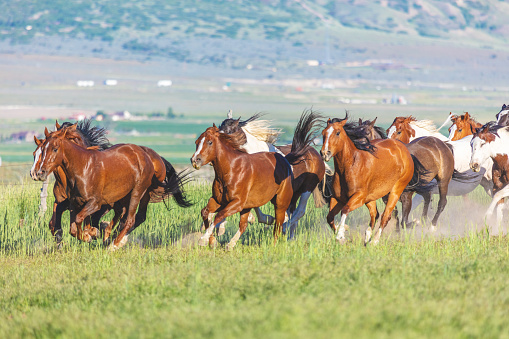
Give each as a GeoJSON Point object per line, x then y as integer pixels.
{"type": "Point", "coordinates": [466, 177]}
{"type": "Point", "coordinates": [303, 136]}
{"type": "Point", "coordinates": [324, 189]}
{"type": "Point", "coordinates": [173, 184]}
{"type": "Point", "coordinates": [418, 183]}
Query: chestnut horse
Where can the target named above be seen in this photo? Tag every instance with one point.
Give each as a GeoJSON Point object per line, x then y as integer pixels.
{"type": "Point", "coordinates": [121, 177]}
{"type": "Point", "coordinates": [88, 136]}
{"type": "Point", "coordinates": [462, 126]}
{"type": "Point", "coordinates": [307, 174]}
{"type": "Point", "coordinates": [364, 172]}
{"type": "Point", "coordinates": [409, 128]}
{"type": "Point", "coordinates": [492, 141]}
{"type": "Point", "coordinates": [244, 181]}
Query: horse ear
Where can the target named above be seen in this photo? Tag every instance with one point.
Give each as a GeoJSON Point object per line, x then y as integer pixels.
{"type": "Point", "coordinates": [504, 107]}
{"type": "Point", "coordinates": [57, 125]}
{"type": "Point", "coordinates": [467, 116]}
{"type": "Point", "coordinates": [230, 114]}
{"type": "Point", "coordinates": [46, 132]}
{"type": "Point", "coordinates": [73, 127]}
{"type": "Point", "coordinates": [360, 121]}
{"type": "Point", "coordinates": [214, 125]}
{"type": "Point", "coordinates": [329, 121]}
{"type": "Point", "coordinates": [342, 122]}
{"type": "Point", "coordinates": [373, 122]}
{"type": "Point", "coordinates": [37, 141]}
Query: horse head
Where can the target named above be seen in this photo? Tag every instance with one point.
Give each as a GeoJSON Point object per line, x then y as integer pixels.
{"type": "Point", "coordinates": [48, 154]}
{"type": "Point", "coordinates": [401, 129]}
{"type": "Point", "coordinates": [462, 126]}
{"type": "Point", "coordinates": [333, 138]}
{"type": "Point", "coordinates": [372, 132]}
{"type": "Point", "coordinates": [503, 116]}
{"type": "Point", "coordinates": [481, 143]}
{"type": "Point", "coordinates": [205, 147]}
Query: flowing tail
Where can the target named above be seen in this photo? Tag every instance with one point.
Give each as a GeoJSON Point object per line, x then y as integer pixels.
{"type": "Point", "coordinates": [418, 183]}
{"type": "Point", "coordinates": [303, 136]}
{"type": "Point", "coordinates": [325, 186]}
{"type": "Point", "coordinates": [173, 185]}
{"type": "Point", "coordinates": [467, 177]}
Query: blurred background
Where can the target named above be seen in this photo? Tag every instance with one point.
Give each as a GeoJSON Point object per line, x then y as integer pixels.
{"type": "Point", "coordinates": [157, 73]}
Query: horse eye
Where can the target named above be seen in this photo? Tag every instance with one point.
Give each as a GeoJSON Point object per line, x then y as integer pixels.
{"type": "Point", "coordinates": [55, 150]}
{"type": "Point", "coordinates": [399, 132]}
{"type": "Point", "coordinates": [461, 129]}
{"type": "Point", "coordinates": [209, 143]}
{"type": "Point", "coordinates": [337, 134]}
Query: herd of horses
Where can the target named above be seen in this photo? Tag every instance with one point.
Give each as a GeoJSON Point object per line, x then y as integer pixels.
{"type": "Point", "coordinates": [93, 177]}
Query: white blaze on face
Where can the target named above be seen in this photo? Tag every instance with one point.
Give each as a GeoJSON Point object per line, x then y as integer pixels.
{"type": "Point", "coordinates": [198, 150]}
{"type": "Point", "coordinates": [452, 131]}
{"type": "Point", "coordinates": [36, 160]}
{"type": "Point", "coordinates": [501, 114]}
{"type": "Point", "coordinates": [392, 130]}
{"type": "Point", "coordinates": [327, 137]}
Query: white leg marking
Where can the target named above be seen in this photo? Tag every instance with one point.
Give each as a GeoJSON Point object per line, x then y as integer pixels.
{"type": "Point", "coordinates": [369, 232]}
{"type": "Point", "coordinates": [204, 240]}
{"type": "Point", "coordinates": [377, 237]}
{"type": "Point", "coordinates": [341, 231]}
{"type": "Point", "coordinates": [233, 241]}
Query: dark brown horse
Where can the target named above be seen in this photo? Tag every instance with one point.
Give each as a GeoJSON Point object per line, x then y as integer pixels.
{"type": "Point", "coordinates": [307, 173]}
{"type": "Point", "coordinates": [120, 177]}
{"type": "Point", "coordinates": [244, 181]}
{"type": "Point", "coordinates": [364, 172]}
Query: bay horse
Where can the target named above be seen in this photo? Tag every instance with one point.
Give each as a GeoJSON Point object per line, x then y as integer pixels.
{"type": "Point", "coordinates": [462, 126]}
{"type": "Point", "coordinates": [492, 141]}
{"type": "Point", "coordinates": [436, 157]}
{"type": "Point", "coordinates": [244, 181]}
{"type": "Point", "coordinates": [307, 173]}
{"type": "Point", "coordinates": [364, 171]}
{"type": "Point", "coordinates": [409, 128]}
{"type": "Point", "coordinates": [87, 136]}
{"type": "Point", "coordinates": [120, 177]}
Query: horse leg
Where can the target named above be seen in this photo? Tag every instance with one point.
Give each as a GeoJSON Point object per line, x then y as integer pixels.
{"type": "Point", "coordinates": [141, 215]}
{"type": "Point", "coordinates": [298, 213]}
{"type": "Point", "coordinates": [386, 216]}
{"type": "Point", "coordinates": [442, 189]}
{"type": "Point", "coordinates": [244, 215]}
{"type": "Point", "coordinates": [334, 207]}
{"type": "Point", "coordinates": [385, 198]}
{"type": "Point", "coordinates": [119, 213]}
{"type": "Point", "coordinates": [425, 207]}
{"type": "Point", "coordinates": [373, 213]}
{"type": "Point", "coordinates": [234, 206]}
{"type": "Point", "coordinates": [406, 206]}
{"type": "Point", "coordinates": [55, 223]}
{"type": "Point", "coordinates": [89, 208]}
{"type": "Point", "coordinates": [211, 207]}
{"type": "Point", "coordinates": [353, 203]}
{"type": "Point", "coordinates": [263, 218]}
{"type": "Point", "coordinates": [134, 202]}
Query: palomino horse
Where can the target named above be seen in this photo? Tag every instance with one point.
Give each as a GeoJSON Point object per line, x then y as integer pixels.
{"type": "Point", "coordinates": [363, 173]}
{"type": "Point", "coordinates": [436, 157]}
{"type": "Point", "coordinates": [462, 126]}
{"type": "Point", "coordinates": [244, 181]}
{"type": "Point", "coordinates": [121, 177]}
{"type": "Point", "coordinates": [407, 129]}
{"type": "Point", "coordinates": [492, 141]}
{"type": "Point", "coordinates": [88, 136]}
{"type": "Point", "coordinates": [307, 174]}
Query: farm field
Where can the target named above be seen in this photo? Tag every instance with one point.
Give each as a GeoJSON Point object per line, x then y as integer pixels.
{"type": "Point", "coordinates": [449, 284]}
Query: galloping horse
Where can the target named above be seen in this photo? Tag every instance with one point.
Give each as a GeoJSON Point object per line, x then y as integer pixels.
{"type": "Point", "coordinates": [407, 129]}
{"type": "Point", "coordinates": [307, 173]}
{"type": "Point", "coordinates": [364, 172]}
{"type": "Point", "coordinates": [436, 157]}
{"type": "Point", "coordinates": [462, 126]}
{"type": "Point", "coordinates": [492, 141]}
{"type": "Point", "coordinates": [121, 177]}
{"type": "Point", "coordinates": [87, 136]}
{"type": "Point", "coordinates": [244, 181]}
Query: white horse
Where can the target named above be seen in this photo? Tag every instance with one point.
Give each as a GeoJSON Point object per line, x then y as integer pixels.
{"type": "Point", "coordinates": [491, 141]}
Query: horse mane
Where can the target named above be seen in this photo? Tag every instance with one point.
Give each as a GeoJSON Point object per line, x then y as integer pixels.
{"type": "Point", "coordinates": [428, 125]}
{"type": "Point", "coordinates": [235, 140]}
{"type": "Point", "coordinates": [91, 136]}
{"type": "Point", "coordinates": [493, 128]}
{"type": "Point", "coordinates": [357, 134]}
{"type": "Point", "coordinates": [260, 129]}
{"type": "Point", "coordinates": [380, 131]}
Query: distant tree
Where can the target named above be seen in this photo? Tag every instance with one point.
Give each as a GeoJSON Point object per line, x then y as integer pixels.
{"type": "Point", "coordinates": [170, 114]}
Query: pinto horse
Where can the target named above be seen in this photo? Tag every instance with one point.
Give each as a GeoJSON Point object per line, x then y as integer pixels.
{"type": "Point", "coordinates": [462, 126]}
{"type": "Point", "coordinates": [364, 172]}
{"type": "Point", "coordinates": [492, 141]}
{"type": "Point", "coordinates": [87, 136]}
{"type": "Point", "coordinates": [503, 116]}
{"type": "Point", "coordinates": [121, 177]}
{"type": "Point", "coordinates": [244, 181]}
{"type": "Point", "coordinates": [307, 173]}
{"type": "Point", "coordinates": [409, 128]}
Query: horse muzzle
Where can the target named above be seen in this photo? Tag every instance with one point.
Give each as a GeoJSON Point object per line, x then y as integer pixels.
{"type": "Point", "coordinates": [40, 175]}
{"type": "Point", "coordinates": [196, 162]}
{"type": "Point", "coordinates": [326, 155]}
{"type": "Point", "coordinates": [475, 167]}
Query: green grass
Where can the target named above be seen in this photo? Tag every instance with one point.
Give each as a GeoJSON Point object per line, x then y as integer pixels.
{"type": "Point", "coordinates": [159, 286]}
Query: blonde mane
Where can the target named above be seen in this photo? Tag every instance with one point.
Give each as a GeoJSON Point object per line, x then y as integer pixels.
{"type": "Point", "coordinates": [261, 130]}
{"type": "Point", "coordinates": [428, 125]}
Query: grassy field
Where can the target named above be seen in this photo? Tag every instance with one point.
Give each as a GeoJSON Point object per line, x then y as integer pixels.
{"type": "Point", "coordinates": [160, 285]}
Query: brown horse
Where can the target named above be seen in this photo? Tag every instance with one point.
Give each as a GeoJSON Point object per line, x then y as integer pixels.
{"type": "Point", "coordinates": [87, 136]}
{"type": "Point", "coordinates": [307, 173]}
{"type": "Point", "coordinates": [120, 177]}
{"type": "Point", "coordinates": [364, 172]}
{"type": "Point", "coordinates": [462, 126]}
{"type": "Point", "coordinates": [409, 128]}
{"type": "Point", "coordinates": [244, 181]}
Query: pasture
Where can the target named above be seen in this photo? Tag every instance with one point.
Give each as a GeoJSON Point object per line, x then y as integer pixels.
{"type": "Point", "coordinates": [449, 284]}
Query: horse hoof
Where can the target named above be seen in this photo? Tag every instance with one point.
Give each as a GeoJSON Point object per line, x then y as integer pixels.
{"type": "Point", "coordinates": [229, 247]}
{"type": "Point", "coordinates": [433, 229]}
{"type": "Point", "coordinates": [251, 218]}
{"type": "Point", "coordinates": [221, 230]}
{"type": "Point", "coordinates": [112, 247]}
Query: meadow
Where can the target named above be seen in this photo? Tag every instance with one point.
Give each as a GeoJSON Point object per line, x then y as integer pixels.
{"type": "Point", "coordinates": [413, 284]}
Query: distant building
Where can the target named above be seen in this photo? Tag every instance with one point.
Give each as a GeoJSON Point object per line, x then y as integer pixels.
{"type": "Point", "coordinates": [23, 136]}
{"type": "Point", "coordinates": [85, 83]}
{"type": "Point", "coordinates": [164, 83]}
{"type": "Point", "coordinates": [124, 115]}
{"type": "Point", "coordinates": [110, 82]}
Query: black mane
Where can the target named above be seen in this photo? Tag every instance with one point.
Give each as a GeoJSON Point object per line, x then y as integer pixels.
{"type": "Point", "coordinates": [92, 136]}
{"type": "Point", "coordinates": [230, 126]}
{"type": "Point", "coordinates": [357, 133]}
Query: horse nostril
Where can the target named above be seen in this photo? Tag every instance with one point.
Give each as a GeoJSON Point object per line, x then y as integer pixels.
{"type": "Point", "coordinates": [328, 153]}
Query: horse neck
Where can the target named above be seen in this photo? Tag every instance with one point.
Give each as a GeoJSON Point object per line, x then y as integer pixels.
{"type": "Point", "coordinates": [343, 159]}
{"type": "Point", "coordinates": [499, 145]}
{"type": "Point", "coordinates": [223, 160]}
{"type": "Point", "coordinates": [74, 160]}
